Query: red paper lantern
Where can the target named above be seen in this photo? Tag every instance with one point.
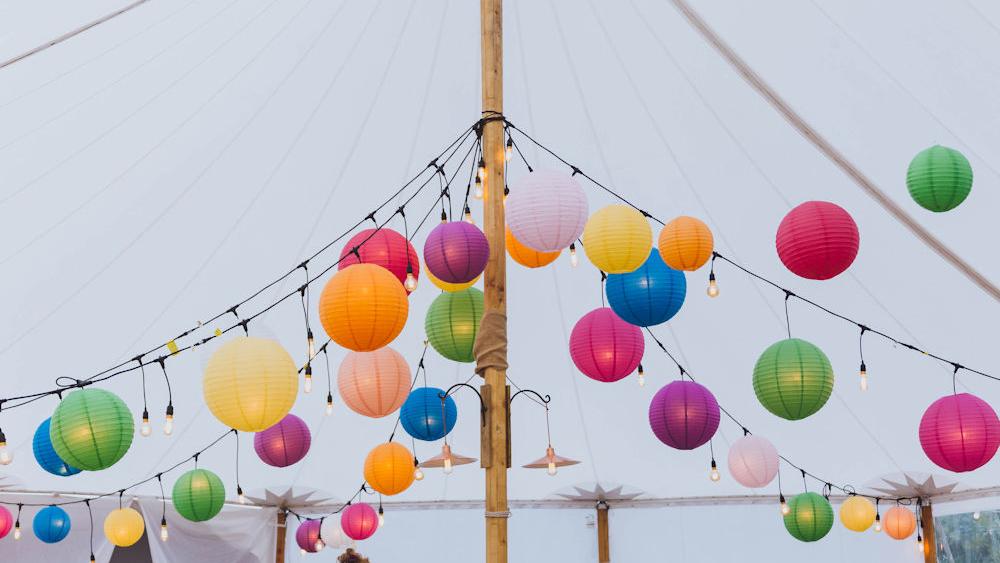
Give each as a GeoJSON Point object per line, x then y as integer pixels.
{"type": "Point", "coordinates": [359, 521]}
{"type": "Point", "coordinates": [817, 240]}
{"type": "Point", "coordinates": [604, 347]}
{"type": "Point", "coordinates": [960, 432]}
{"type": "Point", "coordinates": [382, 247]}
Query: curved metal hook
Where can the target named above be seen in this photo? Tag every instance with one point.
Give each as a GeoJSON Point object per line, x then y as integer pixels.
{"type": "Point", "coordinates": [482, 403]}
{"type": "Point", "coordinates": [545, 400]}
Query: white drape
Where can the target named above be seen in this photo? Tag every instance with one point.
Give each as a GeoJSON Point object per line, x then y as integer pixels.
{"type": "Point", "coordinates": [237, 535]}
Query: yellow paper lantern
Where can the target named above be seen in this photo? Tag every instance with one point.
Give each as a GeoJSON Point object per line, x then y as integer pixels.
{"type": "Point", "coordinates": [124, 527]}
{"type": "Point", "coordinates": [857, 513]}
{"type": "Point", "coordinates": [526, 256]}
{"type": "Point", "coordinates": [685, 243]}
{"type": "Point", "coordinates": [617, 239]}
{"type": "Point", "coordinates": [899, 523]}
{"type": "Point", "coordinates": [250, 383]}
{"type": "Point", "coordinates": [450, 287]}
{"type": "Point", "coordinates": [363, 308]}
{"type": "Point", "coordinates": [389, 468]}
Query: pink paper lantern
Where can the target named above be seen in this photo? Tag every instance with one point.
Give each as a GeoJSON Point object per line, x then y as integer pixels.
{"type": "Point", "coordinates": [6, 521]}
{"type": "Point", "coordinates": [817, 240]}
{"type": "Point", "coordinates": [684, 415]}
{"type": "Point", "coordinates": [283, 444]}
{"type": "Point", "coordinates": [960, 432]}
{"type": "Point", "coordinates": [604, 347]}
{"type": "Point", "coordinates": [308, 536]}
{"type": "Point", "coordinates": [383, 247]}
{"type": "Point", "coordinates": [546, 210]}
{"type": "Point", "coordinates": [753, 461]}
{"type": "Point", "coordinates": [456, 252]}
{"type": "Point", "coordinates": [359, 521]}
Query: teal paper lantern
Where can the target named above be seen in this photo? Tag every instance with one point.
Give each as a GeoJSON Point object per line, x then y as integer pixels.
{"type": "Point", "coordinates": [939, 178]}
{"type": "Point", "coordinates": [793, 379]}
{"type": "Point", "coordinates": [452, 323]}
{"type": "Point", "coordinates": [198, 495]}
{"type": "Point", "coordinates": [91, 429]}
{"type": "Point", "coordinates": [809, 518]}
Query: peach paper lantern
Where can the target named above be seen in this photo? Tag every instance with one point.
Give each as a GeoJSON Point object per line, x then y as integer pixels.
{"type": "Point", "coordinates": [899, 522]}
{"type": "Point", "coordinates": [374, 384]}
{"type": "Point", "coordinates": [363, 307]}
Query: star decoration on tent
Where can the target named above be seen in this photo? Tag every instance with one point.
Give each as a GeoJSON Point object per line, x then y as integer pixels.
{"type": "Point", "coordinates": [599, 492]}
{"type": "Point", "coordinates": [923, 485]}
{"type": "Point", "coordinates": [288, 497]}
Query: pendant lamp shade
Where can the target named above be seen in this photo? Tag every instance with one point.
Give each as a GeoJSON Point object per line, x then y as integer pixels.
{"type": "Point", "coordinates": [753, 461]}
{"type": "Point", "coordinates": [382, 247]}
{"type": "Point", "coordinates": [857, 514]}
{"type": "Point", "coordinates": [45, 454]}
{"type": "Point", "coordinates": [452, 322]}
{"type": "Point", "coordinates": [124, 527]}
{"type": "Point", "coordinates": [648, 296]}
{"type": "Point", "coordinates": [525, 255]}
{"type": "Point", "coordinates": [960, 432]}
{"type": "Point", "coordinates": [283, 444]}
{"type": "Point", "coordinates": [423, 417]}
{"type": "Point", "coordinates": [684, 415]}
{"type": "Point", "coordinates": [899, 523]}
{"type": "Point", "coordinates": [817, 240]}
{"type": "Point", "coordinates": [359, 521]}
{"type": "Point", "coordinates": [363, 308]}
{"type": "Point", "coordinates": [91, 429]}
{"type": "Point", "coordinates": [810, 517]}
{"type": "Point", "coordinates": [617, 239]}
{"type": "Point", "coordinates": [604, 347]}
{"type": "Point", "coordinates": [546, 210]}
{"type": "Point", "coordinates": [685, 243]}
{"type": "Point", "coordinates": [198, 495]}
{"type": "Point", "coordinates": [793, 379]}
{"type": "Point", "coordinates": [389, 468]}
{"type": "Point", "coordinates": [51, 524]}
{"type": "Point", "coordinates": [250, 383]}
{"type": "Point", "coordinates": [374, 384]}
{"type": "Point", "coordinates": [456, 252]}
{"type": "Point", "coordinates": [939, 178]}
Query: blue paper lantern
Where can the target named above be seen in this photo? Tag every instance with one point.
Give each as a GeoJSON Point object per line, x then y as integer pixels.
{"type": "Point", "coordinates": [649, 295]}
{"type": "Point", "coordinates": [422, 416]}
{"type": "Point", "coordinates": [46, 455]}
{"type": "Point", "coordinates": [51, 524]}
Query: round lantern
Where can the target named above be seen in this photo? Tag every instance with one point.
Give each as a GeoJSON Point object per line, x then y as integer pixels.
{"type": "Point", "coordinates": [899, 523]}
{"type": "Point", "coordinates": [546, 210]}
{"type": "Point", "coordinates": [685, 243]}
{"type": "Point", "coordinates": [308, 536]}
{"type": "Point", "coordinates": [452, 323]}
{"type": "Point", "coordinates": [359, 521]}
{"type": "Point", "coordinates": [332, 534]}
{"type": "Point", "coordinates": [648, 296]}
{"type": "Point", "coordinates": [684, 415]}
{"type": "Point", "coordinates": [753, 461]}
{"type": "Point", "coordinates": [198, 495]}
{"type": "Point", "coordinates": [374, 384]}
{"type": "Point", "coordinates": [450, 287]}
{"type": "Point", "coordinates": [456, 252]}
{"type": "Point", "coordinates": [389, 468]}
{"type": "Point", "coordinates": [960, 432]}
{"type": "Point", "coordinates": [423, 417]}
{"type": "Point", "coordinates": [810, 517]}
{"type": "Point", "coordinates": [939, 178]}
{"type": "Point", "coordinates": [363, 307]}
{"type": "Point", "coordinates": [604, 347]}
{"type": "Point", "coordinates": [6, 521]}
{"type": "Point", "coordinates": [46, 455]}
{"type": "Point", "coordinates": [793, 379]}
{"type": "Point", "coordinates": [124, 527]}
{"type": "Point", "coordinates": [91, 429]}
{"type": "Point", "coordinates": [857, 513]}
{"type": "Point", "coordinates": [382, 247]}
{"type": "Point", "coordinates": [250, 383]}
{"type": "Point", "coordinates": [51, 524]}
{"type": "Point", "coordinates": [817, 240]}
{"type": "Point", "coordinates": [283, 444]}
{"type": "Point", "coordinates": [617, 239]}
{"type": "Point", "coordinates": [527, 256]}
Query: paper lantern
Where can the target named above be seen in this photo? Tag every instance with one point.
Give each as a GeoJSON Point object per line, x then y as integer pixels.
{"type": "Point", "coordinates": [382, 247]}
{"type": "Point", "coordinates": [374, 384]}
{"type": "Point", "coordinates": [359, 521]}
{"type": "Point", "coordinates": [648, 296]}
{"type": "Point", "coordinates": [124, 527]}
{"type": "Point", "coordinates": [817, 240]}
{"type": "Point", "coordinates": [525, 255]}
{"type": "Point", "coordinates": [452, 323]}
{"type": "Point", "coordinates": [456, 252]}
{"type": "Point", "coordinates": [91, 429]}
{"type": "Point", "coordinates": [423, 417]}
{"type": "Point", "coordinates": [686, 243]}
{"type": "Point", "coordinates": [810, 517]}
{"type": "Point", "coordinates": [198, 495]}
{"type": "Point", "coordinates": [684, 415]}
{"type": "Point", "coordinates": [250, 383]}
{"type": "Point", "coordinates": [939, 178]}
{"type": "Point", "coordinates": [6, 521]}
{"type": "Point", "coordinates": [389, 468]}
{"type": "Point", "coordinates": [283, 444]}
{"type": "Point", "coordinates": [46, 455]}
{"type": "Point", "coordinates": [546, 210]}
{"type": "Point", "coordinates": [51, 524]}
{"type": "Point", "coordinates": [604, 347]}
{"type": "Point", "coordinates": [363, 308]}
{"type": "Point", "coordinates": [450, 287]}
{"type": "Point", "coordinates": [793, 379]}
{"type": "Point", "coordinates": [333, 535]}
{"type": "Point", "coordinates": [617, 239]}
{"type": "Point", "coordinates": [899, 523]}
{"type": "Point", "coordinates": [308, 536]}
{"type": "Point", "coordinates": [753, 461]}
{"type": "Point", "coordinates": [857, 514]}
{"type": "Point", "coordinates": [960, 432]}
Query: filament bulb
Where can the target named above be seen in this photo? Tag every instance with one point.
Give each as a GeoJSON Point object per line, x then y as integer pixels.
{"type": "Point", "coordinates": [329, 404]}
{"type": "Point", "coordinates": [642, 376]}
{"type": "Point", "coordinates": [320, 545]}
{"type": "Point", "coordinates": [168, 424]}
{"type": "Point", "coordinates": [6, 456]}
{"type": "Point", "coordinates": [411, 281]}
{"type": "Point", "coordinates": [714, 473]}
{"type": "Point", "coordinates": [145, 429]}
{"type": "Point", "coordinates": [447, 465]}
{"type": "Point", "coordinates": [164, 534]}
{"type": "Point", "coordinates": [864, 377]}
{"type": "Point", "coordinates": [468, 216]}
{"type": "Point", "coordinates": [976, 515]}
{"type": "Point", "coordinates": [552, 467]}
{"type": "Point", "coordinates": [242, 498]}
{"type": "Point", "coordinates": [509, 151]}
{"type": "Point", "coordinates": [307, 387]}
{"type": "Point", "coordinates": [17, 531]}
{"type": "Point", "coordinates": [444, 216]}
{"type": "Point", "coordinates": [878, 523]}
{"type": "Point", "coordinates": [573, 260]}
{"type": "Point", "coordinates": [713, 288]}
{"type": "Point", "coordinates": [311, 342]}
{"type": "Point", "coordinates": [418, 474]}
{"type": "Point", "coordinates": [482, 169]}
{"type": "Point", "coordinates": [381, 517]}
{"type": "Point", "coordinates": [785, 510]}
{"type": "Point", "coordinates": [478, 191]}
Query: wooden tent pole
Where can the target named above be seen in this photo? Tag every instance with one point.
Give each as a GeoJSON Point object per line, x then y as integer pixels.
{"type": "Point", "coordinates": [603, 539]}
{"type": "Point", "coordinates": [279, 548]}
{"type": "Point", "coordinates": [930, 542]}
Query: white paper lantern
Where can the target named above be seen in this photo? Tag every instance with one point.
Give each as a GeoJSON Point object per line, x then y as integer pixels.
{"type": "Point", "coordinates": [753, 461]}
{"type": "Point", "coordinates": [546, 210]}
{"type": "Point", "coordinates": [333, 535]}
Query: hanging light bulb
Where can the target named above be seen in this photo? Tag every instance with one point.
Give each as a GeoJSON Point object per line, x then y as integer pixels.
{"type": "Point", "coordinates": [447, 466]}
{"type": "Point", "coordinates": [446, 460]}
{"type": "Point", "coordinates": [506, 192]}
{"type": "Point", "coordinates": [329, 404]}
{"type": "Point", "coordinates": [92, 560]}
{"type": "Point", "coordinates": [164, 534]}
{"type": "Point", "coordinates": [864, 377]}
{"type": "Point", "coordinates": [417, 473]}
{"type": "Point", "coordinates": [976, 515]}
{"type": "Point", "coordinates": [878, 523]}
{"type": "Point", "coordinates": [320, 544]}
{"type": "Point", "coordinates": [302, 551]}
{"type": "Point", "coordinates": [307, 387]}
{"type": "Point", "coordinates": [550, 461]}
{"type": "Point", "coordinates": [642, 377]}
{"type": "Point", "coordinates": [411, 281]}
{"type": "Point", "coordinates": [714, 473]}
{"type": "Point", "coordinates": [509, 151]}
{"type": "Point", "coordinates": [573, 260]}
{"type": "Point", "coordinates": [6, 456]}
{"type": "Point", "coordinates": [168, 425]}
{"type": "Point", "coordinates": [145, 429]}
{"type": "Point", "coordinates": [311, 342]}
{"type": "Point", "coordinates": [381, 516]}
{"type": "Point", "coordinates": [242, 498]}
{"type": "Point", "coordinates": [482, 169]}
{"type": "Point", "coordinates": [920, 543]}
{"type": "Point", "coordinates": [17, 530]}
{"type": "Point", "coordinates": [468, 215]}
{"type": "Point", "coordinates": [713, 288]}
{"type": "Point", "coordinates": [444, 216]}
{"type": "Point", "coordinates": [477, 192]}
{"type": "Point", "coordinates": [785, 510]}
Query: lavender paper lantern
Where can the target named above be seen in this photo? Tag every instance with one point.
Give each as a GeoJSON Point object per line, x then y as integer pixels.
{"type": "Point", "coordinates": [684, 415]}
{"type": "Point", "coordinates": [283, 444]}
{"type": "Point", "coordinates": [960, 432]}
{"type": "Point", "coordinates": [546, 210]}
{"type": "Point", "coordinates": [753, 461]}
{"type": "Point", "coordinates": [604, 347]}
{"type": "Point", "coordinates": [308, 536]}
{"type": "Point", "coordinates": [456, 252]}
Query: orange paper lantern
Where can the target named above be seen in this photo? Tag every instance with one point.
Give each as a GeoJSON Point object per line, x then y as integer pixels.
{"type": "Point", "coordinates": [374, 384]}
{"type": "Point", "coordinates": [899, 523]}
{"type": "Point", "coordinates": [525, 256]}
{"type": "Point", "coordinates": [363, 307]}
{"type": "Point", "coordinates": [686, 243]}
{"type": "Point", "coordinates": [389, 468]}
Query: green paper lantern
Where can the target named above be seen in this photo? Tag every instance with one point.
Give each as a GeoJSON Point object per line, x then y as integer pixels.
{"type": "Point", "coordinates": [939, 178]}
{"type": "Point", "coordinates": [452, 323]}
{"type": "Point", "coordinates": [91, 429]}
{"type": "Point", "coordinates": [809, 517]}
{"type": "Point", "coordinates": [793, 379]}
{"type": "Point", "coordinates": [198, 495]}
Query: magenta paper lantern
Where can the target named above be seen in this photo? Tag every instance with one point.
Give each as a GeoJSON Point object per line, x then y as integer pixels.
{"type": "Point", "coordinates": [308, 536]}
{"type": "Point", "coordinates": [359, 521]}
{"type": "Point", "coordinates": [283, 444]}
{"type": "Point", "coordinates": [960, 432]}
{"type": "Point", "coordinates": [456, 252]}
{"type": "Point", "coordinates": [684, 415]}
{"type": "Point", "coordinates": [753, 461]}
{"type": "Point", "coordinates": [817, 240]}
{"type": "Point", "coordinates": [604, 347]}
{"type": "Point", "coordinates": [6, 521]}
{"type": "Point", "coordinates": [546, 210]}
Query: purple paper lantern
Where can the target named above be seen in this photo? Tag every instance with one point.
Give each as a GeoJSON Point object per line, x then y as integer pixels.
{"type": "Point", "coordinates": [283, 444]}
{"type": "Point", "coordinates": [604, 347]}
{"type": "Point", "coordinates": [960, 432]}
{"type": "Point", "coordinates": [684, 415]}
{"type": "Point", "coordinates": [456, 252]}
{"type": "Point", "coordinates": [308, 536]}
